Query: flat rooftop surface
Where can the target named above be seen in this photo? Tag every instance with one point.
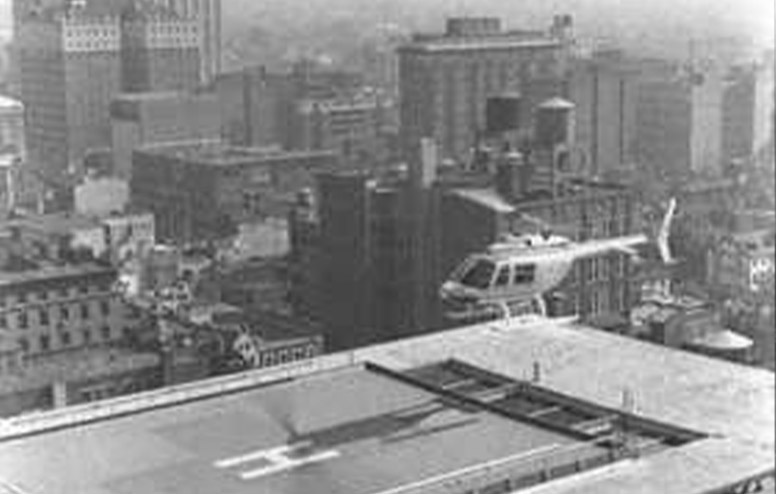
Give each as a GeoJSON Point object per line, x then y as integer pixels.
{"type": "Point", "coordinates": [368, 433]}
{"type": "Point", "coordinates": [406, 434]}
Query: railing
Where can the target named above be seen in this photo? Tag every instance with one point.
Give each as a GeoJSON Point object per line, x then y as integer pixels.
{"type": "Point", "coordinates": [543, 464]}
{"type": "Point", "coordinates": [54, 419]}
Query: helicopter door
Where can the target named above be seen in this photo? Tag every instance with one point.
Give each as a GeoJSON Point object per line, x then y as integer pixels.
{"type": "Point", "coordinates": [502, 278]}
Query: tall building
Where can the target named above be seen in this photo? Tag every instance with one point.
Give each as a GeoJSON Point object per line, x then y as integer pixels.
{"type": "Point", "coordinates": [208, 16]}
{"type": "Point", "coordinates": [160, 52]}
{"type": "Point", "coordinates": [748, 106]}
{"type": "Point", "coordinates": [603, 89]}
{"type": "Point", "coordinates": [445, 79]}
{"type": "Point", "coordinates": [70, 69]}
{"type": "Point", "coordinates": [679, 118]}
{"type": "Point", "coordinates": [76, 56]}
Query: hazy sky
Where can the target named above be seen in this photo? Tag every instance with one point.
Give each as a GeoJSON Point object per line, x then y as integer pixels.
{"type": "Point", "coordinates": [604, 17]}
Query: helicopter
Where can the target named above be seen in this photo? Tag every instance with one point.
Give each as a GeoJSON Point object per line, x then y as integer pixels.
{"type": "Point", "coordinates": [509, 278]}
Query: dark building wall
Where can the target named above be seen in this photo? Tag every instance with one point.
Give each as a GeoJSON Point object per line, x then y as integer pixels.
{"type": "Point", "coordinates": [92, 81]}
{"type": "Point", "coordinates": [345, 298]}
{"type": "Point", "coordinates": [193, 199]}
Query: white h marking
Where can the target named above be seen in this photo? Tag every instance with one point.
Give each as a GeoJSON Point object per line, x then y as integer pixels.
{"type": "Point", "coordinates": [278, 459]}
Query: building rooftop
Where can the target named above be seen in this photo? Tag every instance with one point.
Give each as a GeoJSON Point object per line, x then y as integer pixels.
{"type": "Point", "coordinates": [55, 223]}
{"type": "Point", "coordinates": [373, 432]}
{"type": "Point", "coordinates": [221, 154]}
{"type": "Point", "coordinates": [52, 272]}
{"type": "Point", "coordinates": [74, 366]}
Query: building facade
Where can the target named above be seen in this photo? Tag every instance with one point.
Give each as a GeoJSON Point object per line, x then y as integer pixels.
{"type": "Point", "coordinates": [203, 191]}
{"type": "Point", "coordinates": [143, 119]}
{"type": "Point", "coordinates": [160, 52]}
{"type": "Point", "coordinates": [679, 118]}
{"type": "Point", "coordinates": [70, 69]}
{"type": "Point", "coordinates": [445, 80]}
{"type": "Point", "coordinates": [603, 90]}
{"type": "Point", "coordinates": [352, 127]}
{"type": "Point", "coordinates": [53, 309]}
{"type": "Point", "coordinates": [75, 57]}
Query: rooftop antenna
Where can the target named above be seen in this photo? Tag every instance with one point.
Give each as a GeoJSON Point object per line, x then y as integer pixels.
{"type": "Point", "coordinates": [536, 376]}
{"type": "Point", "coordinates": [623, 434]}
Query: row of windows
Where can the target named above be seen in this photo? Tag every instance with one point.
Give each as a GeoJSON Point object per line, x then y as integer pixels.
{"type": "Point", "coordinates": [277, 357]}
{"type": "Point", "coordinates": [64, 339]}
{"type": "Point", "coordinates": [44, 295]}
{"type": "Point", "coordinates": [43, 315]}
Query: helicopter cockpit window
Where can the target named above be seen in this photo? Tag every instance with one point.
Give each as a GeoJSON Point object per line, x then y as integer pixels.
{"type": "Point", "coordinates": [502, 278]}
{"type": "Point", "coordinates": [523, 273]}
{"type": "Point", "coordinates": [479, 274]}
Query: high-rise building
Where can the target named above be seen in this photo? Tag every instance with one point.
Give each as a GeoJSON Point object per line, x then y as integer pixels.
{"type": "Point", "coordinates": [208, 16]}
{"type": "Point", "coordinates": [445, 79]}
{"type": "Point", "coordinates": [603, 89]}
{"type": "Point", "coordinates": [70, 69]}
{"type": "Point", "coordinates": [748, 103]}
{"type": "Point", "coordinates": [679, 117]}
{"type": "Point", "coordinates": [160, 52]}
{"type": "Point", "coordinates": [76, 56]}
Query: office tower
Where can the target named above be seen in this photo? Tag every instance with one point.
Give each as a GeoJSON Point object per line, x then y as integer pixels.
{"type": "Point", "coordinates": [679, 117]}
{"type": "Point", "coordinates": [160, 52]}
{"type": "Point", "coordinates": [208, 15]}
{"type": "Point", "coordinates": [76, 56]}
{"type": "Point", "coordinates": [603, 90]}
{"type": "Point", "coordinates": [70, 69]}
{"type": "Point", "coordinates": [446, 79]}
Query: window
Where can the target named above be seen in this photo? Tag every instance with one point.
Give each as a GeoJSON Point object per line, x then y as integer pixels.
{"type": "Point", "coordinates": [87, 336]}
{"type": "Point", "coordinates": [3, 322]}
{"type": "Point", "coordinates": [105, 332]}
{"type": "Point", "coordinates": [524, 273]}
{"type": "Point", "coordinates": [45, 343]}
{"type": "Point", "coordinates": [63, 292]}
{"type": "Point", "coordinates": [83, 288]}
{"type": "Point", "coordinates": [22, 297]}
{"type": "Point", "coordinates": [43, 295]}
{"type": "Point", "coordinates": [105, 308]}
{"type": "Point", "coordinates": [479, 274]}
{"type": "Point", "coordinates": [23, 321]}
{"type": "Point", "coordinates": [84, 311]}
{"type": "Point", "coordinates": [284, 356]}
{"type": "Point", "coordinates": [65, 337]}
{"type": "Point", "coordinates": [502, 278]}
{"type": "Point", "coordinates": [43, 317]}
{"type": "Point", "coordinates": [64, 313]}
{"type": "Point", "coordinates": [24, 344]}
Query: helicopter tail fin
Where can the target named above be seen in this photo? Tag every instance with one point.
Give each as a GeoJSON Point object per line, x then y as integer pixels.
{"type": "Point", "coordinates": [662, 235]}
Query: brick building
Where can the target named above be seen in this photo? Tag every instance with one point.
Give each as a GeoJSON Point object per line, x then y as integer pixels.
{"type": "Point", "coordinates": [200, 191]}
